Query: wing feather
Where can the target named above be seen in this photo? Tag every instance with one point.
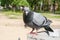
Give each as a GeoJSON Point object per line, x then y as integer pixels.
{"type": "Point", "coordinates": [38, 19]}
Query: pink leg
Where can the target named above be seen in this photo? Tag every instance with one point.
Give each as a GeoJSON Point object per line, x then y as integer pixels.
{"type": "Point", "coordinates": [33, 32]}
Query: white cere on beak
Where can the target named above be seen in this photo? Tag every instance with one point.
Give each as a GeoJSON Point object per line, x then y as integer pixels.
{"type": "Point", "coordinates": [26, 12]}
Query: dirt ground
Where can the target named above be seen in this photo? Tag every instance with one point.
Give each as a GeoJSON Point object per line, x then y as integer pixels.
{"type": "Point", "coordinates": [13, 29]}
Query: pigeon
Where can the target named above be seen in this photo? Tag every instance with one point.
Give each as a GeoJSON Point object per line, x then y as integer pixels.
{"type": "Point", "coordinates": [35, 20]}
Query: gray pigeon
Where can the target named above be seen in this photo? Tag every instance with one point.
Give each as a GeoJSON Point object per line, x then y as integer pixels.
{"type": "Point", "coordinates": [35, 20]}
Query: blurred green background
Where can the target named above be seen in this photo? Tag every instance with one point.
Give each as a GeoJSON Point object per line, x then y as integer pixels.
{"type": "Point", "coordinates": [48, 8]}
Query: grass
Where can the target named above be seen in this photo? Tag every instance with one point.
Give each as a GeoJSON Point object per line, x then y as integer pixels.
{"type": "Point", "coordinates": [14, 15]}
{"type": "Point", "coordinates": [7, 13]}
{"type": "Point", "coordinates": [51, 15]}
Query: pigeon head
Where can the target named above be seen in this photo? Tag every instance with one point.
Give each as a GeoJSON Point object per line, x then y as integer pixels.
{"type": "Point", "coordinates": [25, 9]}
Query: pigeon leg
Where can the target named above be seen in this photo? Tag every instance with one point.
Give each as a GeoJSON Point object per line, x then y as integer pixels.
{"type": "Point", "coordinates": [25, 25]}
{"type": "Point", "coordinates": [36, 31]}
{"type": "Point", "coordinates": [32, 31]}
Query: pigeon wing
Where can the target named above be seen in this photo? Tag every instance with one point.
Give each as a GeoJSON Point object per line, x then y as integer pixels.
{"type": "Point", "coordinates": [38, 19]}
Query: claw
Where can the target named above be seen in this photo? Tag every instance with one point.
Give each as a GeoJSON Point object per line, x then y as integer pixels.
{"type": "Point", "coordinates": [35, 33]}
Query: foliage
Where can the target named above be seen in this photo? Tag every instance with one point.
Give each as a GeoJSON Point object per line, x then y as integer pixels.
{"type": "Point", "coordinates": [33, 3]}
{"type": "Point", "coordinates": [23, 2]}
{"type": "Point", "coordinates": [14, 2]}
{"type": "Point", "coordinates": [6, 2]}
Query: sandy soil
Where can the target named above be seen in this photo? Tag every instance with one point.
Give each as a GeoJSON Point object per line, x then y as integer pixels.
{"type": "Point", "coordinates": [13, 29]}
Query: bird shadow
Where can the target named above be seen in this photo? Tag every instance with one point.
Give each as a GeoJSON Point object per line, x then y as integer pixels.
{"type": "Point", "coordinates": [44, 31]}
{"type": "Point", "coordinates": [41, 31]}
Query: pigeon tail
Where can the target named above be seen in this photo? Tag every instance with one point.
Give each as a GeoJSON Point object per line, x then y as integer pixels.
{"type": "Point", "coordinates": [47, 28]}
{"type": "Point", "coordinates": [49, 21]}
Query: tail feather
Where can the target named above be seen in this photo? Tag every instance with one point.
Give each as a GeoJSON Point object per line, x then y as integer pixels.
{"type": "Point", "coordinates": [48, 22]}
{"type": "Point", "coordinates": [47, 28]}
